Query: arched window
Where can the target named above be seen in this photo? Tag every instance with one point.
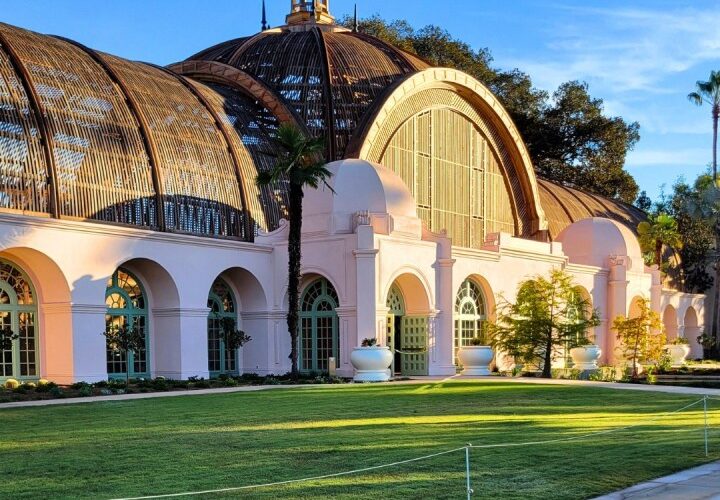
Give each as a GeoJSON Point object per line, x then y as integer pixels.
{"type": "Point", "coordinates": [18, 313]}
{"type": "Point", "coordinates": [454, 174]}
{"type": "Point", "coordinates": [222, 308]}
{"type": "Point", "coordinates": [318, 326]}
{"type": "Point", "coordinates": [469, 313]}
{"type": "Point", "coordinates": [126, 305]}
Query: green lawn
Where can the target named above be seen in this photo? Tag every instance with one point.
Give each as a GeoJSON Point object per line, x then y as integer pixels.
{"type": "Point", "coordinates": [167, 445]}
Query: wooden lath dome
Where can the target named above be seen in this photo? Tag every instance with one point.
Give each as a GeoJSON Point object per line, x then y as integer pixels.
{"type": "Point", "coordinates": [329, 75]}
{"type": "Point", "coordinates": [90, 136]}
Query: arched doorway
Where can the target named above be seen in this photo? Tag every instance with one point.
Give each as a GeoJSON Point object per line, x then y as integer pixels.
{"type": "Point", "coordinates": [126, 306]}
{"type": "Point", "coordinates": [18, 315]}
{"type": "Point", "coordinates": [670, 321]}
{"type": "Point", "coordinates": [691, 331]}
{"type": "Point", "coordinates": [222, 315]}
{"type": "Point", "coordinates": [407, 328]}
{"type": "Point", "coordinates": [470, 312]}
{"type": "Point", "coordinates": [318, 327]}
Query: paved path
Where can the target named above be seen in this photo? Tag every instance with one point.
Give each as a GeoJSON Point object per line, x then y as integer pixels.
{"type": "Point", "coordinates": [698, 483]}
{"type": "Point", "coordinates": [416, 380]}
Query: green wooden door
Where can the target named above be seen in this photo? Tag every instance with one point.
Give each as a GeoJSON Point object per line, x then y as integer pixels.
{"type": "Point", "coordinates": [18, 314]}
{"type": "Point", "coordinates": [414, 340]}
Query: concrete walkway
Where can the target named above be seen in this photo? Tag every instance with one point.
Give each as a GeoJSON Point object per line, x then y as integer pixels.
{"type": "Point", "coordinates": [698, 483]}
{"type": "Point", "coordinates": [415, 380]}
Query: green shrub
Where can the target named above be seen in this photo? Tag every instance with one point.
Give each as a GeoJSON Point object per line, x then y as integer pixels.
{"type": "Point", "coordinates": [56, 392]}
{"type": "Point", "coordinates": [11, 383]}
{"type": "Point", "coordinates": [79, 385]}
{"type": "Point", "coordinates": [45, 387]}
{"type": "Point", "coordinates": [85, 391]}
{"type": "Point", "coordinates": [229, 382]}
{"type": "Point", "coordinates": [160, 384]}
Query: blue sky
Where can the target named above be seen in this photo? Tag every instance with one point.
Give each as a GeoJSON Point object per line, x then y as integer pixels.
{"type": "Point", "coordinates": [641, 57]}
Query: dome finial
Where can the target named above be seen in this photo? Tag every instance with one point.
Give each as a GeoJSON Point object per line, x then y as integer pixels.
{"type": "Point", "coordinates": [264, 17]}
{"type": "Point", "coordinates": [309, 11]}
{"type": "Point", "coordinates": [356, 26]}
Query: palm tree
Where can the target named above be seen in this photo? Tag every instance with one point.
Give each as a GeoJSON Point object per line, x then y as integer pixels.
{"type": "Point", "coordinates": [709, 92]}
{"type": "Point", "coordinates": [658, 231]}
{"type": "Point", "coordinates": [300, 163]}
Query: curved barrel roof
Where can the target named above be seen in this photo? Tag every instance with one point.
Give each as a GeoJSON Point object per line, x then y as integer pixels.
{"type": "Point", "coordinates": [88, 135]}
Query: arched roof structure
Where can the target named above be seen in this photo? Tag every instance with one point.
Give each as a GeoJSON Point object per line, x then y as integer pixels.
{"type": "Point", "coordinates": [565, 205]}
{"type": "Point", "coordinates": [87, 135]}
{"type": "Point", "coordinates": [329, 75]}
{"type": "Point", "coordinates": [90, 136]}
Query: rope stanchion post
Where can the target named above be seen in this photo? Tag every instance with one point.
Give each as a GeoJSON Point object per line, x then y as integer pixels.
{"type": "Point", "coordinates": [705, 398]}
{"type": "Point", "coordinates": [467, 471]}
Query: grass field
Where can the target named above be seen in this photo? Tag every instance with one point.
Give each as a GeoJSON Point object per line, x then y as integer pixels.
{"type": "Point", "coordinates": [167, 445]}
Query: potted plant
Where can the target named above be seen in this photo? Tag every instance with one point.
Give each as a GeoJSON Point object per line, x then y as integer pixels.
{"type": "Point", "coordinates": [585, 354]}
{"type": "Point", "coordinates": [707, 342]}
{"type": "Point", "coordinates": [678, 349]}
{"type": "Point", "coordinates": [371, 361]}
{"type": "Point", "coordinates": [476, 357]}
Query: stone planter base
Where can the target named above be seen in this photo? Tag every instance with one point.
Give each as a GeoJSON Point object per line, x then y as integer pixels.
{"type": "Point", "coordinates": [371, 363]}
{"type": "Point", "coordinates": [678, 353]}
{"type": "Point", "coordinates": [475, 359]}
{"type": "Point", "coordinates": [586, 357]}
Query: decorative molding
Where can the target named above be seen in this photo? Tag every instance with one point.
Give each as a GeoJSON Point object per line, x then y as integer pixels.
{"type": "Point", "coordinates": [187, 312]}
{"type": "Point", "coordinates": [86, 308]}
{"type": "Point", "coordinates": [105, 229]}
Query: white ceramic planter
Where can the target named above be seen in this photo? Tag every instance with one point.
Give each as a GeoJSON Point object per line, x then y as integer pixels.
{"type": "Point", "coordinates": [371, 363]}
{"type": "Point", "coordinates": [678, 353]}
{"type": "Point", "coordinates": [585, 357]}
{"type": "Point", "coordinates": [475, 359]}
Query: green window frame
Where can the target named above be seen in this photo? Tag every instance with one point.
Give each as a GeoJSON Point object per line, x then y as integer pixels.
{"type": "Point", "coordinates": [18, 311]}
{"type": "Point", "coordinates": [470, 312]}
{"type": "Point", "coordinates": [318, 339]}
{"type": "Point", "coordinates": [222, 305]}
{"type": "Point", "coordinates": [126, 304]}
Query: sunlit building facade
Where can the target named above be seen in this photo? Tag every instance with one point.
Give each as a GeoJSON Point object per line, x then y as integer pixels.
{"type": "Point", "coordinates": [128, 197]}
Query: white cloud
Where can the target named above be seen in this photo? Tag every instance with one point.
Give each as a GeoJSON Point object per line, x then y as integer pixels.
{"type": "Point", "coordinates": [626, 49]}
{"type": "Point", "coordinates": [688, 157]}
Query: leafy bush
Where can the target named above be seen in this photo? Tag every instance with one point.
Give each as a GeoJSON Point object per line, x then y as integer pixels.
{"type": "Point", "coordinates": [160, 384]}
{"type": "Point", "coordinates": [85, 391]}
{"type": "Point", "coordinates": [78, 386]}
{"type": "Point", "coordinates": [11, 383]}
{"type": "Point", "coordinates": [680, 341]}
{"type": "Point", "coordinates": [56, 392]}
{"type": "Point", "coordinates": [369, 342]}
{"type": "Point", "coordinates": [46, 387]}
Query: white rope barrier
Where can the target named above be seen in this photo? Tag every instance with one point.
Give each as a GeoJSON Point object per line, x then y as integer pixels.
{"type": "Point", "coordinates": [465, 448]}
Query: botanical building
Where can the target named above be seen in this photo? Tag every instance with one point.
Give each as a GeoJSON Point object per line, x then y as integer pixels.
{"type": "Point", "coordinates": [128, 197]}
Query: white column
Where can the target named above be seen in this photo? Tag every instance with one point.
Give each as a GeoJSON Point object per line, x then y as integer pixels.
{"type": "Point", "coordinates": [441, 343]}
{"type": "Point", "coordinates": [88, 347]}
{"type": "Point", "coordinates": [348, 333]}
{"type": "Point", "coordinates": [179, 343]}
{"type": "Point", "coordinates": [259, 355]}
{"type": "Point", "coordinates": [365, 295]}
{"type": "Point", "coordinates": [617, 306]}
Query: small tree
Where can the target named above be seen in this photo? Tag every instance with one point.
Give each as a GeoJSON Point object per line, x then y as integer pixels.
{"type": "Point", "coordinates": [6, 338]}
{"type": "Point", "coordinates": [642, 337]}
{"type": "Point", "coordinates": [543, 318]}
{"type": "Point", "coordinates": [231, 336]}
{"type": "Point", "coordinates": [125, 340]}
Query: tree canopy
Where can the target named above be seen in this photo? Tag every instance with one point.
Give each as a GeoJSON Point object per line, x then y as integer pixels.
{"type": "Point", "coordinates": [569, 138]}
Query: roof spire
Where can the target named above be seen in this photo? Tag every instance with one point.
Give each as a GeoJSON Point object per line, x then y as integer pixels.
{"type": "Point", "coordinates": [264, 17]}
{"type": "Point", "coordinates": [356, 27]}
